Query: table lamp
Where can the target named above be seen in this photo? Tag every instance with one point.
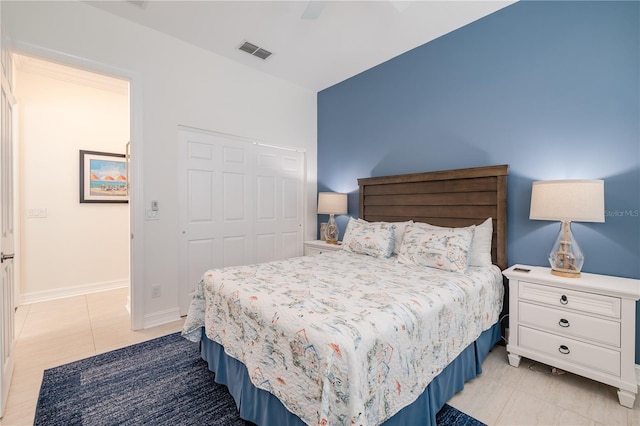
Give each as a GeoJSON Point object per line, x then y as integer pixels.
{"type": "Point", "coordinates": [576, 200]}
{"type": "Point", "coordinates": [332, 203]}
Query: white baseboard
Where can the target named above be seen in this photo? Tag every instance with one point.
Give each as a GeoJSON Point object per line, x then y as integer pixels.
{"type": "Point", "coordinates": [638, 374]}
{"type": "Point", "coordinates": [59, 293]}
{"type": "Point", "coordinates": [161, 317]}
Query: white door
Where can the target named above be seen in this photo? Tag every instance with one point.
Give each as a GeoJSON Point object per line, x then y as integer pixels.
{"type": "Point", "coordinates": [7, 296]}
{"type": "Point", "coordinates": [239, 203]}
{"type": "Point", "coordinates": [278, 193]}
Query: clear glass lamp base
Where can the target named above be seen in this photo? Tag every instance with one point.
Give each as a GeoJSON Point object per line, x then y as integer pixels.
{"type": "Point", "coordinates": [566, 258]}
{"type": "Point", "coordinates": [332, 231]}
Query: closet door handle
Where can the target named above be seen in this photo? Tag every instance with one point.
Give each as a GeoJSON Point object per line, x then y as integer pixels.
{"type": "Point", "coordinates": [563, 323]}
{"type": "Point", "coordinates": [4, 257]}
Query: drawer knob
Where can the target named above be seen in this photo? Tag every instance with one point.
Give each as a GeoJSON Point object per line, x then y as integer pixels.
{"type": "Point", "coordinates": [563, 323]}
{"type": "Point", "coordinates": [564, 300]}
{"type": "Point", "coordinates": [563, 350]}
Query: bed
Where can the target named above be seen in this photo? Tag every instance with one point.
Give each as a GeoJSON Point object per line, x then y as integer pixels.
{"type": "Point", "coordinates": [394, 336]}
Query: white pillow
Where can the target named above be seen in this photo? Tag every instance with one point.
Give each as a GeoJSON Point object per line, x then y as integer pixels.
{"type": "Point", "coordinates": [436, 247]}
{"type": "Point", "coordinates": [370, 238]}
{"type": "Point", "coordinates": [480, 254]}
{"type": "Point", "coordinates": [398, 232]}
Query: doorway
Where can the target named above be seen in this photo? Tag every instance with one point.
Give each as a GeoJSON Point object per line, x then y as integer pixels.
{"type": "Point", "coordinates": [69, 247]}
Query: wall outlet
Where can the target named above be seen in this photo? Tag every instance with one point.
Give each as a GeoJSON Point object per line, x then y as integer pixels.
{"type": "Point", "coordinates": [151, 214]}
{"type": "Point", "coordinates": [155, 291]}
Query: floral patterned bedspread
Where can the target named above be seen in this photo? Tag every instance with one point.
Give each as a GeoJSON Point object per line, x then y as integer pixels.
{"type": "Point", "coordinates": [343, 338]}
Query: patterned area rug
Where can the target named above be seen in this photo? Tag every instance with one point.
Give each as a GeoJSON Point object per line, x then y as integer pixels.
{"type": "Point", "coordinates": [160, 382]}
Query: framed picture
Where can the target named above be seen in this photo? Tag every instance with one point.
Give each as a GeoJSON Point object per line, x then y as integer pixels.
{"type": "Point", "coordinates": [103, 177]}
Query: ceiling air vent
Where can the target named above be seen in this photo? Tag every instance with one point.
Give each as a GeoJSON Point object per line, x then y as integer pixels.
{"type": "Point", "coordinates": [254, 50]}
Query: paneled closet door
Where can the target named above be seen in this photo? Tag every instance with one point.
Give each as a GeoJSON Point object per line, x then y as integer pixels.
{"type": "Point", "coordinates": [278, 188]}
{"type": "Point", "coordinates": [238, 202]}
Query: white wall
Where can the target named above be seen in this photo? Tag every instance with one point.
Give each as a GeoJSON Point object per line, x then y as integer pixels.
{"type": "Point", "coordinates": [76, 247]}
{"type": "Point", "coordinates": [181, 85]}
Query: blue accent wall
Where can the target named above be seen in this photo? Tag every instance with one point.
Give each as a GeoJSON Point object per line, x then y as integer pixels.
{"type": "Point", "coordinates": [550, 88]}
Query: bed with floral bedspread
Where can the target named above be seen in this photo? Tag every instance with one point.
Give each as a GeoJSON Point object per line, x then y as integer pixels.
{"type": "Point", "coordinates": [343, 337]}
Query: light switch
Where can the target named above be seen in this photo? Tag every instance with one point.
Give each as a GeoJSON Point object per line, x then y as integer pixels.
{"type": "Point", "coordinates": [36, 213]}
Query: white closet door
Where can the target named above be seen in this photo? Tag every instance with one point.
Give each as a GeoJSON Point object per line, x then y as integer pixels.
{"type": "Point", "coordinates": [235, 203]}
{"type": "Point", "coordinates": [240, 203]}
{"type": "Point", "coordinates": [278, 194]}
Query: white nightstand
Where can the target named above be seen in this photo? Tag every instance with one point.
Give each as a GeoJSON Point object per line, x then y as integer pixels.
{"type": "Point", "coordinates": [584, 325]}
{"type": "Point", "coordinates": [319, 246]}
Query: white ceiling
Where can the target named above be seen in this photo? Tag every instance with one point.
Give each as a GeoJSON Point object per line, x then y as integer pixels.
{"type": "Point", "coordinates": [341, 38]}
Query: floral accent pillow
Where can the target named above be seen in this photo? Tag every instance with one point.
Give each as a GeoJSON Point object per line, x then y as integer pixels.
{"type": "Point", "coordinates": [480, 252]}
{"type": "Point", "coordinates": [398, 232]}
{"type": "Point", "coordinates": [442, 248]}
{"type": "Point", "coordinates": [371, 238]}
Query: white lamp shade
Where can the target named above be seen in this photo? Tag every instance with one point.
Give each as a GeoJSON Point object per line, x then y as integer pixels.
{"type": "Point", "coordinates": [576, 200]}
{"type": "Point", "coordinates": [332, 203]}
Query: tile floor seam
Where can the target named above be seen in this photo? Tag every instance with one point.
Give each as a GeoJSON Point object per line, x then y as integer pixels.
{"type": "Point", "coordinates": [93, 334]}
{"type": "Point", "coordinates": [504, 407]}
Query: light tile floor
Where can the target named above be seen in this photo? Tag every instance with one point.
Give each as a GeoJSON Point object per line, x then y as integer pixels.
{"type": "Point", "coordinates": [65, 330]}
{"type": "Point", "coordinates": [533, 395]}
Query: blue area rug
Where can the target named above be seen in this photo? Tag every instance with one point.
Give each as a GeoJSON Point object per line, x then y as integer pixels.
{"type": "Point", "coordinates": [160, 382]}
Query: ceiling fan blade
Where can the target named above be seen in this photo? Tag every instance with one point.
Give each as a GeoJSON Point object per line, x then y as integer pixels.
{"type": "Point", "coordinates": [313, 9]}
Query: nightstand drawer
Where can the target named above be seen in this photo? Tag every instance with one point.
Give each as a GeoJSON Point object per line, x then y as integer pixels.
{"type": "Point", "coordinates": [570, 324]}
{"type": "Point", "coordinates": [312, 251]}
{"type": "Point", "coordinates": [571, 351]}
{"type": "Point", "coordinates": [570, 299]}
{"type": "Point", "coordinates": [312, 248]}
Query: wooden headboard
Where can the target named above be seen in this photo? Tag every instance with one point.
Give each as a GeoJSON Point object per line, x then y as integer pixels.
{"type": "Point", "coordinates": [451, 198]}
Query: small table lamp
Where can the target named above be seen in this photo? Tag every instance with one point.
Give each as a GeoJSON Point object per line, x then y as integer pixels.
{"type": "Point", "coordinates": [567, 201]}
{"type": "Point", "coordinates": [332, 203]}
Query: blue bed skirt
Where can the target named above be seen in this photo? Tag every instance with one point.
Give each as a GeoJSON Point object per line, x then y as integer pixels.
{"type": "Point", "coordinates": [262, 408]}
